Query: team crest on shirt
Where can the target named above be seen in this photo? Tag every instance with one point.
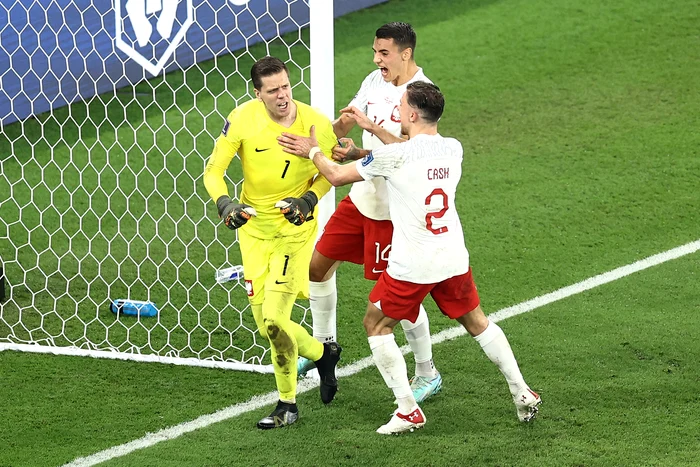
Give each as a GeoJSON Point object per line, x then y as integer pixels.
{"type": "Point", "coordinates": [395, 115]}
{"type": "Point", "coordinates": [249, 288]}
{"type": "Point", "coordinates": [367, 159]}
{"type": "Point", "coordinates": [226, 125]}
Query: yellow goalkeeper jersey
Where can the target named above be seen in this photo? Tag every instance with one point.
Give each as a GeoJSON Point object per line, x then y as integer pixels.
{"type": "Point", "coordinates": [269, 173]}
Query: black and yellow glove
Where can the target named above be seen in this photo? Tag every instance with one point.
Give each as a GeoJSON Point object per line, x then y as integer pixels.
{"type": "Point", "coordinates": [233, 214]}
{"type": "Point", "coordinates": [298, 210]}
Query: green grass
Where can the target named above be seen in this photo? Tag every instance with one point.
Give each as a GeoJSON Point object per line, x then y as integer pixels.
{"type": "Point", "coordinates": [624, 402]}
{"type": "Point", "coordinates": [579, 124]}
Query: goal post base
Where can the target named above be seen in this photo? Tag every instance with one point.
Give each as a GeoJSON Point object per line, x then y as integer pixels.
{"type": "Point", "coordinates": [148, 358]}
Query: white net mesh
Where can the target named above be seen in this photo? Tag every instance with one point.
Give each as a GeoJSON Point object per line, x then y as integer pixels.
{"type": "Point", "coordinates": [102, 199]}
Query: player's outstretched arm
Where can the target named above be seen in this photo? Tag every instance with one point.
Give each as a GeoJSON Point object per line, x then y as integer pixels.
{"type": "Point", "coordinates": [337, 174]}
{"type": "Point", "coordinates": [347, 151]}
{"type": "Point", "coordinates": [342, 125]}
{"type": "Point", "coordinates": [365, 123]}
{"type": "Point", "coordinates": [301, 145]}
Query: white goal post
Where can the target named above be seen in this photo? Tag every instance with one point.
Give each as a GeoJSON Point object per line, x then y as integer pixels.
{"type": "Point", "coordinates": [108, 112]}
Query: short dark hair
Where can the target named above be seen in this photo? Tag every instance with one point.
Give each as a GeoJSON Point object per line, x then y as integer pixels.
{"type": "Point", "coordinates": [402, 33]}
{"type": "Point", "coordinates": [427, 98]}
{"type": "Point", "coordinates": [266, 66]}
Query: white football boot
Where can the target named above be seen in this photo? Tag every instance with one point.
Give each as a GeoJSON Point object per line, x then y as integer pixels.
{"type": "Point", "coordinates": [527, 404]}
{"type": "Point", "coordinates": [401, 423]}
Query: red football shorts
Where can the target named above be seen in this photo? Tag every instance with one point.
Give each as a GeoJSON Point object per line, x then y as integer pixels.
{"type": "Point", "coordinates": [350, 236]}
{"type": "Point", "coordinates": [397, 299]}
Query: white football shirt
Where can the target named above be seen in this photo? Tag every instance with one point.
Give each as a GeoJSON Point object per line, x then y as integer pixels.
{"type": "Point", "coordinates": [380, 101]}
{"type": "Point", "coordinates": [421, 176]}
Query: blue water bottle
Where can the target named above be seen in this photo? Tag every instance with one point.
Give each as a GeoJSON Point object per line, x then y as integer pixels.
{"type": "Point", "coordinates": [129, 307]}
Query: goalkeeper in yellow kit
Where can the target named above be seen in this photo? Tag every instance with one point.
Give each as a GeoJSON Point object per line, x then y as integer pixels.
{"type": "Point", "coordinates": [275, 223]}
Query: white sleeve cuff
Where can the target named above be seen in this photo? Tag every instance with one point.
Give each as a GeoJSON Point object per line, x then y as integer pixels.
{"type": "Point", "coordinates": [313, 152]}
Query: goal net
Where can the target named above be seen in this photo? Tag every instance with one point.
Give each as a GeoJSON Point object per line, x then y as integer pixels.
{"type": "Point", "coordinates": [109, 111]}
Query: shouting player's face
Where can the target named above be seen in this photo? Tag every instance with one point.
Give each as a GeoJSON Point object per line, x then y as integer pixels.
{"type": "Point", "coordinates": [276, 93]}
{"type": "Point", "coordinates": [390, 59]}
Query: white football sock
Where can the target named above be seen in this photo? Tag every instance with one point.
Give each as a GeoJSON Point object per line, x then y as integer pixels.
{"type": "Point", "coordinates": [323, 298]}
{"type": "Point", "coordinates": [418, 337]}
{"type": "Point", "coordinates": [392, 366]}
{"type": "Point", "coordinates": [495, 345]}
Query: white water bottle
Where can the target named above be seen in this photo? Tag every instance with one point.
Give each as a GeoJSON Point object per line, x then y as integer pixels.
{"type": "Point", "coordinates": [229, 274]}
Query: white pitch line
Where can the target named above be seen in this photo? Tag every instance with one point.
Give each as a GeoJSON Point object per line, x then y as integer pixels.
{"type": "Point", "coordinates": [308, 384]}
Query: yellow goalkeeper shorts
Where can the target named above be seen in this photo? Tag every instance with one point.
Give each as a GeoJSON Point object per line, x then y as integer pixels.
{"type": "Point", "coordinates": [280, 264]}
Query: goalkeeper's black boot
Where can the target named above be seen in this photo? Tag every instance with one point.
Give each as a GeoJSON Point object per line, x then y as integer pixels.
{"type": "Point", "coordinates": [326, 370]}
{"type": "Point", "coordinates": [283, 415]}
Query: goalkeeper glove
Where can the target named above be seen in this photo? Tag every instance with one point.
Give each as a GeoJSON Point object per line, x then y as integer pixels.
{"type": "Point", "coordinates": [233, 214]}
{"type": "Point", "coordinates": [298, 210]}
